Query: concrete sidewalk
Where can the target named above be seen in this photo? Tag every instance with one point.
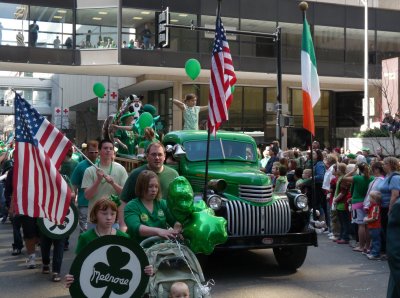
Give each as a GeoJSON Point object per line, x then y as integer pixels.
{"type": "Point", "coordinates": [16, 281]}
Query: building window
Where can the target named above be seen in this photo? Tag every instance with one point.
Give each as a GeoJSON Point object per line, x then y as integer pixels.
{"type": "Point", "coordinates": [246, 112]}
{"type": "Point", "coordinates": [388, 45]}
{"type": "Point", "coordinates": [207, 38]}
{"type": "Point", "coordinates": [291, 40]}
{"type": "Point", "coordinates": [256, 46]}
{"type": "Point", "coordinates": [355, 44]}
{"type": "Point", "coordinates": [52, 22]}
{"type": "Point", "coordinates": [329, 43]}
{"type": "Point", "coordinates": [138, 28]}
{"type": "Point", "coordinates": [96, 28]}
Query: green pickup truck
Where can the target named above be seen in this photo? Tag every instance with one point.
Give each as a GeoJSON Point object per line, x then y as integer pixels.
{"type": "Point", "coordinates": [242, 194]}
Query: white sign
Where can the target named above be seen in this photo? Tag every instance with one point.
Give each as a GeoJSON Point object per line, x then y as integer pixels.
{"type": "Point", "coordinates": [102, 110]}
{"type": "Point", "coordinates": [61, 115]}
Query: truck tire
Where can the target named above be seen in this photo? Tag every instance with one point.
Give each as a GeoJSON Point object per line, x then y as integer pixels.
{"type": "Point", "coordinates": [290, 258]}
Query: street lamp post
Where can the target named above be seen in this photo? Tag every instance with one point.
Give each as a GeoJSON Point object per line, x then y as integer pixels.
{"type": "Point", "coordinates": [366, 98]}
{"type": "Point", "coordinates": [62, 100]}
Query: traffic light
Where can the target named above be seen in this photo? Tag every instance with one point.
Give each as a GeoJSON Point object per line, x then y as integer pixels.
{"type": "Point", "coordinates": [286, 121]}
{"type": "Point", "coordinates": [162, 32]}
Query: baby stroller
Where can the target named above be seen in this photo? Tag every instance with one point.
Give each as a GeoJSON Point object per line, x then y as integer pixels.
{"type": "Point", "coordinates": [173, 262]}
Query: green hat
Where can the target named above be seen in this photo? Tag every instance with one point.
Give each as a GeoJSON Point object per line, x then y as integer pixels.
{"type": "Point", "coordinates": [351, 156]}
{"type": "Point", "coordinates": [150, 109]}
{"type": "Point", "coordinates": [365, 149]}
{"type": "Point", "coordinates": [127, 115]}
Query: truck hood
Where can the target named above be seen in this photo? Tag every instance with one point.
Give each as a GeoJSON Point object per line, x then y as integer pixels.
{"type": "Point", "coordinates": [232, 172]}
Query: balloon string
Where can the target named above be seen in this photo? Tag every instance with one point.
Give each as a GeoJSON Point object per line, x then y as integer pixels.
{"type": "Point", "coordinates": [204, 289]}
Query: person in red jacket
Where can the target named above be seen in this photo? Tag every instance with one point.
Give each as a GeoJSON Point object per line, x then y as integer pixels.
{"type": "Point", "coordinates": [373, 220]}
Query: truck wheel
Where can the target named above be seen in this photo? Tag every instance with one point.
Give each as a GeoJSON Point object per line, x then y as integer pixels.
{"type": "Point", "coordinates": [290, 258]}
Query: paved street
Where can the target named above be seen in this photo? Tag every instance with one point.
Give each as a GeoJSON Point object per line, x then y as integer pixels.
{"type": "Point", "coordinates": [329, 271]}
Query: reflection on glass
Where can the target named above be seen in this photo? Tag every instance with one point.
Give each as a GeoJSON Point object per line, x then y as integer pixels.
{"type": "Point", "coordinates": [257, 46]}
{"type": "Point", "coordinates": [329, 43]}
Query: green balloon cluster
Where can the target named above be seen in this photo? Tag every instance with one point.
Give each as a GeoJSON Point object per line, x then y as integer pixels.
{"type": "Point", "coordinates": [202, 230]}
{"type": "Point", "coordinates": [192, 68]}
{"type": "Point", "coordinates": [99, 90]}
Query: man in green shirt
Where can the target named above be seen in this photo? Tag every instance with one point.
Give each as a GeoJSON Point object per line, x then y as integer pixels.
{"type": "Point", "coordinates": [155, 156]}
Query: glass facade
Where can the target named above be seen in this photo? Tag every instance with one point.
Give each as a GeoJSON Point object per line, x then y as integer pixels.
{"type": "Point", "coordinates": [96, 28]}
{"type": "Point", "coordinates": [38, 97]}
{"type": "Point", "coordinates": [246, 112]}
{"type": "Point", "coordinates": [16, 24]}
{"type": "Point", "coordinates": [388, 4]}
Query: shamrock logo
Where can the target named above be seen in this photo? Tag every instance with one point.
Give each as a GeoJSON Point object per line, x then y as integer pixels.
{"type": "Point", "coordinates": [63, 225]}
{"type": "Point", "coordinates": [112, 276]}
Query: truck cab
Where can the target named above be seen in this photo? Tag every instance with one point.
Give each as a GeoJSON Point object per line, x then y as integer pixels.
{"type": "Point", "coordinates": [238, 191]}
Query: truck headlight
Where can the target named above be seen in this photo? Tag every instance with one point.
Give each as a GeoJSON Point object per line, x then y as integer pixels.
{"type": "Point", "coordinates": [214, 202]}
{"type": "Point", "coordinates": [301, 201]}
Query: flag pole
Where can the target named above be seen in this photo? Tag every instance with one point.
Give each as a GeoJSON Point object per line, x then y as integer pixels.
{"type": "Point", "coordinates": [209, 134]}
{"type": "Point", "coordinates": [303, 7]}
{"type": "Point", "coordinates": [85, 157]}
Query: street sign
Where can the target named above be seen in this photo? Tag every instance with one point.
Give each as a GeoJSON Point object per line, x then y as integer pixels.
{"type": "Point", "coordinates": [162, 32]}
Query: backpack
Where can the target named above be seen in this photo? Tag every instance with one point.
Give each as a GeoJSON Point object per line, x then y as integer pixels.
{"type": "Point", "coordinates": [170, 266]}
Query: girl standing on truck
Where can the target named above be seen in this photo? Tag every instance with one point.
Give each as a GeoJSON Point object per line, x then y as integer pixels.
{"type": "Point", "coordinates": [190, 111]}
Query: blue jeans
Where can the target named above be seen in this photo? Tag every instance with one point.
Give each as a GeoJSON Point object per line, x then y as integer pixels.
{"type": "Point", "coordinates": [375, 235]}
{"type": "Point", "coordinates": [58, 252]}
{"type": "Point", "coordinates": [344, 219]}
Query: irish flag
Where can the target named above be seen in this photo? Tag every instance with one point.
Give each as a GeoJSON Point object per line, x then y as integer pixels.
{"type": "Point", "coordinates": [309, 78]}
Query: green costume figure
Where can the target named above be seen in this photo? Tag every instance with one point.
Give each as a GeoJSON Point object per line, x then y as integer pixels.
{"type": "Point", "coordinates": [125, 138]}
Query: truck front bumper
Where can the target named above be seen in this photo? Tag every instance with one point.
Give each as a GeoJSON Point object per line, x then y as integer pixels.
{"type": "Point", "coordinates": [270, 241]}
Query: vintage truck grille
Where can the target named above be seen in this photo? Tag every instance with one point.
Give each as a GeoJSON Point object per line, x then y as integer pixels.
{"type": "Point", "coordinates": [254, 193]}
{"type": "Point", "coordinates": [247, 220]}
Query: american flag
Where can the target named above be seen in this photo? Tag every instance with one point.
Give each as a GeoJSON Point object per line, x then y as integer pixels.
{"type": "Point", "coordinates": [222, 78]}
{"type": "Point", "coordinates": [39, 189]}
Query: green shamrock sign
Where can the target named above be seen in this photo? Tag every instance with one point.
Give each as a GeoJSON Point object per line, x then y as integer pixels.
{"type": "Point", "coordinates": [112, 276]}
{"type": "Point", "coordinates": [110, 266]}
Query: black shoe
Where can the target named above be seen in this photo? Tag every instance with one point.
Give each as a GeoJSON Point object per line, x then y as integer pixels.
{"type": "Point", "coordinates": [66, 247]}
{"type": "Point", "coordinates": [16, 252]}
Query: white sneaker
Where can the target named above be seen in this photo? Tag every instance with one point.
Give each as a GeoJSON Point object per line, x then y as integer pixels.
{"type": "Point", "coordinates": [333, 238]}
{"type": "Point", "coordinates": [330, 234]}
{"type": "Point", "coordinates": [31, 262]}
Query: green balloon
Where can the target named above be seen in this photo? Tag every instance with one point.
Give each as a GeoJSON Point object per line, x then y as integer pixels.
{"type": "Point", "coordinates": [232, 89]}
{"type": "Point", "coordinates": [192, 68]}
{"type": "Point", "coordinates": [204, 231]}
{"type": "Point", "coordinates": [99, 90]}
{"type": "Point", "coordinates": [202, 206]}
{"type": "Point", "coordinates": [145, 120]}
{"type": "Point", "coordinates": [180, 199]}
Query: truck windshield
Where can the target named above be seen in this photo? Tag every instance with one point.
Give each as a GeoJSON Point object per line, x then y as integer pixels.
{"type": "Point", "coordinates": [220, 150]}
